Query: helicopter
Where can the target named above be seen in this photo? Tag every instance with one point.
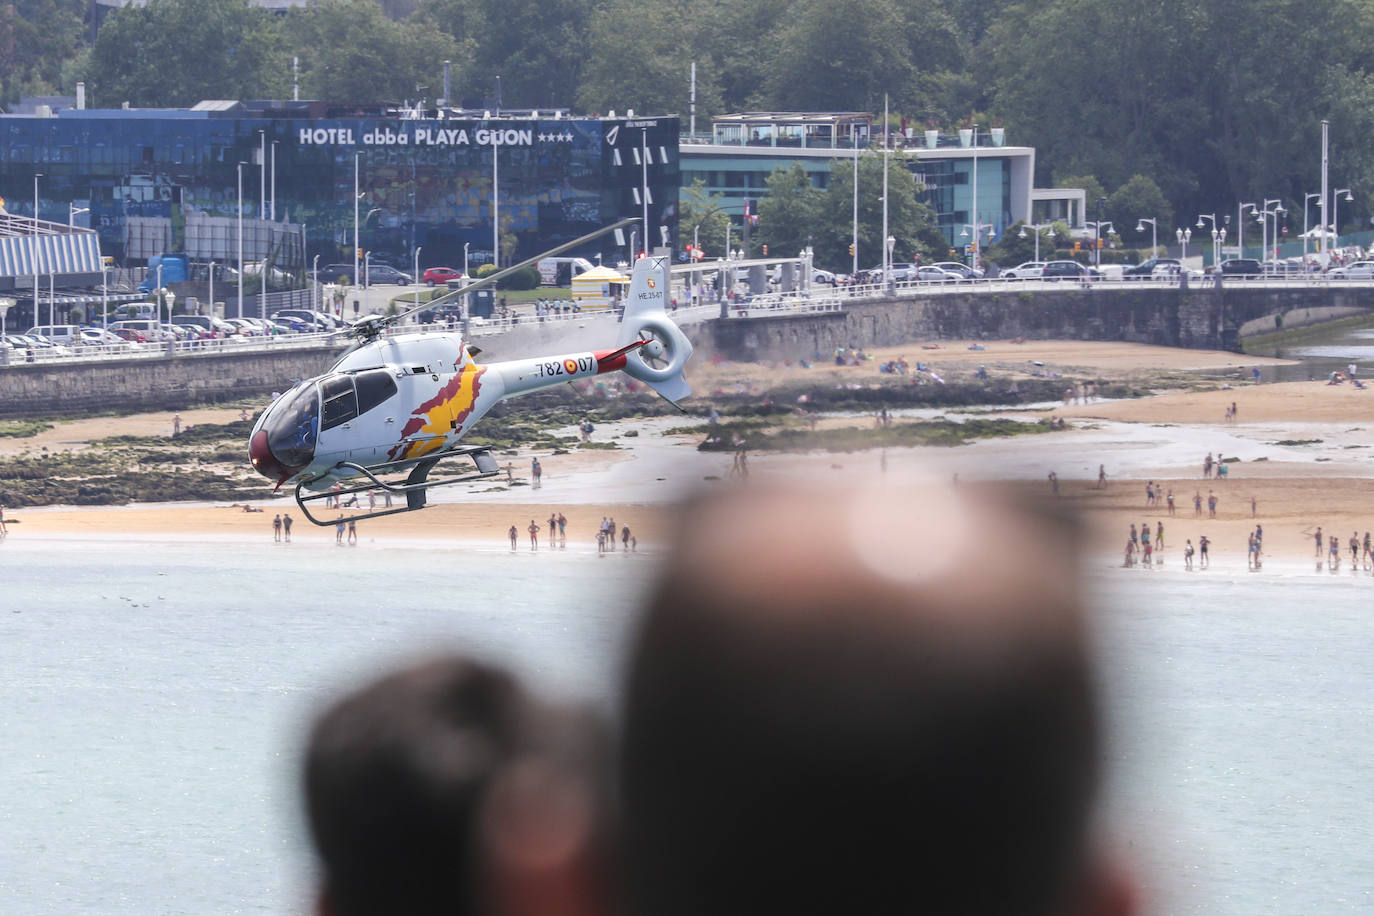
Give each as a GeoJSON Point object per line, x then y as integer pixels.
{"type": "Point", "coordinates": [396, 405]}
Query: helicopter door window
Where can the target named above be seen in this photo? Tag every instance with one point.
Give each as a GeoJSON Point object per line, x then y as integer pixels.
{"type": "Point", "coordinates": [374, 387]}
{"type": "Point", "coordinates": [340, 401]}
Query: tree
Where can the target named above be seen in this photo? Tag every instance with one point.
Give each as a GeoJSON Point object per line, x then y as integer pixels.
{"type": "Point", "coordinates": [37, 37]}
{"type": "Point", "coordinates": [702, 217]}
{"type": "Point", "coordinates": [910, 222]}
{"type": "Point", "coordinates": [634, 60]}
{"type": "Point", "coordinates": [841, 57]}
{"type": "Point", "coordinates": [350, 51]}
{"type": "Point", "coordinates": [1140, 197]}
{"type": "Point", "coordinates": [536, 47]}
{"type": "Point", "coordinates": [174, 53]}
{"type": "Point", "coordinates": [788, 213]}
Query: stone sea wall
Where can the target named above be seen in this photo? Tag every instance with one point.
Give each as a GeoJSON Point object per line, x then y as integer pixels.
{"type": "Point", "coordinates": [1203, 318]}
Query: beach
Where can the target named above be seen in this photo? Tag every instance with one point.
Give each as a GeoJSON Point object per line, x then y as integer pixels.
{"type": "Point", "coordinates": [1296, 450]}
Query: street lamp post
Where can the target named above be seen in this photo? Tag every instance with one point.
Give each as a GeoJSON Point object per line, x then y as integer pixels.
{"type": "Point", "coordinates": [1335, 208]}
{"type": "Point", "coordinates": [1037, 228]}
{"type": "Point", "coordinates": [1305, 229]}
{"type": "Point", "coordinates": [1154, 232]}
{"type": "Point", "coordinates": [367, 269]}
{"type": "Point", "coordinates": [1098, 228]}
{"type": "Point", "coordinates": [72, 210]}
{"type": "Point", "coordinates": [272, 206]}
{"type": "Point", "coordinates": [416, 276]}
{"type": "Point", "coordinates": [240, 227]}
{"type": "Point", "coordinates": [1240, 226]}
{"type": "Point", "coordinates": [1212, 218]}
{"type": "Point", "coordinates": [36, 176]}
{"type": "Point", "coordinates": [315, 281]}
{"type": "Point", "coordinates": [1263, 215]}
{"type": "Point", "coordinates": [356, 196]}
{"type": "Point", "coordinates": [888, 280]}
{"type": "Point", "coordinates": [212, 287]}
{"type": "Point", "coordinates": [1183, 236]}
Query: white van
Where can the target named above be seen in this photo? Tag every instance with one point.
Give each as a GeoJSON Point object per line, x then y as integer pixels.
{"type": "Point", "coordinates": [130, 310]}
{"type": "Point", "coordinates": [67, 335]}
{"type": "Point", "coordinates": [150, 329]}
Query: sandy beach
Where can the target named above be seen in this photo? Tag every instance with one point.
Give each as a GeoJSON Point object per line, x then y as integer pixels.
{"type": "Point", "coordinates": [1300, 448]}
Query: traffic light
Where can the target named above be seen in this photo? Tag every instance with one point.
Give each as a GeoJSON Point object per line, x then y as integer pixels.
{"type": "Point", "coordinates": [1100, 241]}
{"type": "Point", "coordinates": [851, 249]}
{"type": "Point", "coordinates": [360, 254]}
{"type": "Point", "coordinates": [765, 251]}
{"type": "Point", "coordinates": [1077, 247]}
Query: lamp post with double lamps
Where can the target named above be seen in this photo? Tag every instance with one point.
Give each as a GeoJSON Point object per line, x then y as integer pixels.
{"type": "Point", "coordinates": [1305, 229]}
{"type": "Point", "coordinates": [1183, 236]}
{"type": "Point", "coordinates": [1240, 226]}
{"type": "Point", "coordinates": [240, 234]}
{"type": "Point", "coordinates": [1037, 228]}
{"type": "Point", "coordinates": [1263, 215]}
{"type": "Point", "coordinates": [1335, 208]}
{"type": "Point", "coordinates": [1211, 218]}
{"type": "Point", "coordinates": [1154, 231]}
{"type": "Point", "coordinates": [416, 277]}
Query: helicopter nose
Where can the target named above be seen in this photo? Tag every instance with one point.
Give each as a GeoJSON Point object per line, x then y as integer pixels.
{"type": "Point", "coordinates": [263, 461]}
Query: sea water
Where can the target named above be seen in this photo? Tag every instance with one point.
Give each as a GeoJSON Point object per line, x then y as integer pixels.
{"type": "Point", "coordinates": [154, 697]}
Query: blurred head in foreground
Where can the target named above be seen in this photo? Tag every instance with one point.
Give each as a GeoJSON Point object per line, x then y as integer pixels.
{"type": "Point", "coordinates": [864, 701]}
{"type": "Point", "coordinates": [444, 788]}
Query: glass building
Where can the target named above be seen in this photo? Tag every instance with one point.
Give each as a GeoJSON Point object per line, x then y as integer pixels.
{"type": "Point", "coordinates": [154, 180]}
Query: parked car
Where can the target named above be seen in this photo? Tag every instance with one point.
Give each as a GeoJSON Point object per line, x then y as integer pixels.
{"type": "Point", "coordinates": [385, 273]}
{"type": "Point", "coordinates": [1069, 270]}
{"type": "Point", "coordinates": [930, 273]}
{"type": "Point", "coordinates": [1360, 270]}
{"type": "Point", "coordinates": [132, 335]}
{"type": "Point", "coordinates": [101, 337]}
{"type": "Point", "coordinates": [67, 335]}
{"type": "Point", "coordinates": [209, 325]}
{"type": "Point", "coordinates": [292, 325]}
{"type": "Point", "coordinates": [1240, 267]}
{"type": "Point", "coordinates": [1030, 270]}
{"type": "Point", "coordinates": [823, 276]}
{"type": "Point", "coordinates": [335, 273]}
{"type": "Point", "coordinates": [318, 321]}
{"type": "Point", "coordinates": [1154, 268]}
{"type": "Point", "coordinates": [963, 270]}
{"type": "Point", "coordinates": [433, 276]}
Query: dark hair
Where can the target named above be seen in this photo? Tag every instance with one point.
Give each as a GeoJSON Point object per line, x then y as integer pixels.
{"type": "Point", "coordinates": [830, 751]}
{"type": "Point", "coordinates": [395, 776]}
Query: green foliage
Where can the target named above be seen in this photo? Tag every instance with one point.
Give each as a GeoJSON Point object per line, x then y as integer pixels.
{"type": "Point", "coordinates": [484, 270]}
{"type": "Point", "coordinates": [909, 220]}
{"type": "Point", "coordinates": [1140, 197]}
{"type": "Point", "coordinates": [36, 38]}
{"type": "Point", "coordinates": [700, 216]}
{"type": "Point", "coordinates": [350, 50]}
{"type": "Point", "coordinates": [789, 212]}
{"type": "Point", "coordinates": [525, 278]}
{"type": "Point", "coordinates": [178, 52]}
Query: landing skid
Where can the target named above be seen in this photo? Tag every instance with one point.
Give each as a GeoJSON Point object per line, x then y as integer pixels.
{"type": "Point", "coordinates": [414, 488]}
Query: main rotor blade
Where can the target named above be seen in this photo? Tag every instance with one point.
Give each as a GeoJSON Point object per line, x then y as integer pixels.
{"type": "Point", "coordinates": [500, 275]}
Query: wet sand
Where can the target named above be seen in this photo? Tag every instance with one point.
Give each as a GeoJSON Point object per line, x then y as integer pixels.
{"type": "Point", "coordinates": [1162, 438]}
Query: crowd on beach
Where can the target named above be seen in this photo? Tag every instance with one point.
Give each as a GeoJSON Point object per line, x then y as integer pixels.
{"type": "Point", "coordinates": [793, 703]}
{"type": "Point", "coordinates": [557, 529]}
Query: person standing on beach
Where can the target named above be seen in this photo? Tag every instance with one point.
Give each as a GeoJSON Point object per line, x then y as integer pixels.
{"type": "Point", "coordinates": [1054, 483]}
{"type": "Point", "coordinates": [534, 535]}
{"type": "Point", "coordinates": [176, 425]}
{"type": "Point", "coordinates": [1354, 549]}
{"type": "Point", "coordinates": [1333, 553]}
{"type": "Point", "coordinates": [1254, 506]}
{"type": "Point", "coordinates": [1188, 555]}
{"type": "Point", "coordinates": [1203, 561]}
{"type": "Point", "coordinates": [562, 530]}
{"type": "Point", "coordinates": [537, 472]}
{"type": "Point", "coordinates": [610, 533]}
{"type": "Point", "coordinates": [1207, 466]}
{"type": "Point", "coordinates": [553, 528]}
{"type": "Point", "coordinates": [1320, 542]}
{"type": "Point", "coordinates": [276, 527]}
{"type": "Point", "coordinates": [625, 538]}
{"type": "Point", "coordinates": [3, 531]}
{"type": "Point", "coordinates": [1211, 504]}
{"type": "Point", "coordinates": [286, 527]}
{"type": "Point", "coordinates": [514, 535]}
{"type": "Point", "coordinates": [1169, 499]}
{"type": "Point", "coordinates": [1197, 504]}
{"type": "Point", "coordinates": [339, 530]}
{"type": "Point", "coordinates": [1135, 537]}
{"type": "Point", "coordinates": [1101, 476]}
{"type": "Point", "coordinates": [352, 531]}
{"type": "Point", "coordinates": [1159, 536]}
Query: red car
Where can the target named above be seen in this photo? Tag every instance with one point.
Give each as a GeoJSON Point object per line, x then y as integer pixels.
{"type": "Point", "coordinates": [436, 275]}
{"type": "Point", "coordinates": [130, 335]}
